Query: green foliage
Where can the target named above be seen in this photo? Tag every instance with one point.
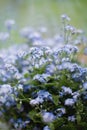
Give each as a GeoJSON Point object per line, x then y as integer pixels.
{"type": "Point", "coordinates": [35, 116]}
{"type": "Point", "coordinates": [57, 124]}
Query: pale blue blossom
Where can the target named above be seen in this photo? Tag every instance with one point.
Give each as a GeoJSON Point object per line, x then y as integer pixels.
{"type": "Point", "coordinates": [26, 31]}
{"type": "Point", "coordinates": [71, 118]}
{"type": "Point", "coordinates": [85, 51]}
{"type": "Point", "coordinates": [46, 128]}
{"type": "Point", "coordinates": [43, 78]}
{"type": "Point", "coordinates": [70, 49]}
{"type": "Point", "coordinates": [9, 23]}
{"type": "Point", "coordinates": [70, 28]}
{"type": "Point", "coordinates": [41, 96]}
{"type": "Point", "coordinates": [80, 75]}
{"type": "Point", "coordinates": [50, 69]}
{"type": "Point", "coordinates": [34, 36]}
{"type": "Point", "coordinates": [4, 36]}
{"type": "Point", "coordinates": [60, 112]}
{"type": "Point", "coordinates": [66, 90]}
{"type": "Point", "coordinates": [6, 92]}
{"type": "Point", "coordinates": [43, 29]}
{"type": "Point", "coordinates": [45, 95]}
{"type": "Point", "coordinates": [85, 85]}
{"type": "Point", "coordinates": [69, 102]}
{"type": "Point", "coordinates": [48, 117]}
{"type": "Point", "coordinates": [36, 101]}
{"type": "Point", "coordinates": [68, 66]}
{"type": "Point", "coordinates": [65, 17]}
{"type": "Point", "coordinates": [75, 95]}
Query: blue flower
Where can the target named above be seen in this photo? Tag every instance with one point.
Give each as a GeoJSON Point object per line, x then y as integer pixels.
{"type": "Point", "coordinates": [36, 101]}
{"type": "Point", "coordinates": [85, 85]}
{"type": "Point", "coordinates": [46, 128]}
{"type": "Point", "coordinates": [26, 31]}
{"type": "Point", "coordinates": [48, 117]}
{"type": "Point", "coordinates": [45, 95]}
{"type": "Point", "coordinates": [65, 17]}
{"type": "Point", "coordinates": [66, 90]}
{"type": "Point", "coordinates": [9, 23]}
{"type": "Point", "coordinates": [41, 96]}
{"type": "Point", "coordinates": [43, 78]}
{"type": "Point", "coordinates": [85, 51]}
{"type": "Point", "coordinates": [71, 118]}
{"type": "Point", "coordinates": [4, 36]}
{"type": "Point", "coordinates": [60, 111]}
{"type": "Point", "coordinates": [69, 102]}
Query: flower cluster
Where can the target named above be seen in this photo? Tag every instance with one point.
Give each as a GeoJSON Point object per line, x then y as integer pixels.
{"type": "Point", "coordinates": [42, 88]}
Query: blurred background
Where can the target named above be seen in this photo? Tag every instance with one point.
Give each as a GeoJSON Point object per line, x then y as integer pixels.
{"type": "Point", "coordinates": [44, 13]}
{"type": "Point", "coordinates": [41, 13]}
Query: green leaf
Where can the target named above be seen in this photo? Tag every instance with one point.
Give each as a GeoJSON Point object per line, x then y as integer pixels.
{"type": "Point", "coordinates": [18, 105]}
{"type": "Point", "coordinates": [35, 116]}
{"type": "Point", "coordinates": [78, 117]}
{"type": "Point", "coordinates": [69, 126]}
{"type": "Point", "coordinates": [51, 126]}
{"type": "Point", "coordinates": [56, 124]}
{"type": "Point", "coordinates": [26, 75]}
{"type": "Point", "coordinates": [55, 99]}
